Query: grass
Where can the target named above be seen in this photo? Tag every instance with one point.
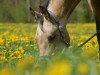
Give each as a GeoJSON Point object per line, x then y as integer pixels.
{"type": "Point", "coordinates": [19, 52]}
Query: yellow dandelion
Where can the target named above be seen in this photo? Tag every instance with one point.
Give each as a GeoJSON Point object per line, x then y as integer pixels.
{"type": "Point", "coordinates": [60, 68]}
{"type": "Point", "coordinates": [18, 53]}
{"type": "Point", "coordinates": [83, 68]}
{"type": "Point", "coordinates": [6, 33]}
{"type": "Point", "coordinates": [88, 45]}
{"type": "Point", "coordinates": [13, 38]}
{"type": "Point", "coordinates": [1, 41]}
{"type": "Point", "coordinates": [6, 71]}
{"type": "Point", "coordinates": [20, 49]}
{"type": "Point", "coordinates": [25, 39]}
{"type": "Point", "coordinates": [91, 52]}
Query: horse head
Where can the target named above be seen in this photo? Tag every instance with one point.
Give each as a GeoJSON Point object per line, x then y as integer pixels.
{"type": "Point", "coordinates": [50, 32]}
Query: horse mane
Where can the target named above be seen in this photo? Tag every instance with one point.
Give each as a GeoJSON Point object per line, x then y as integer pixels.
{"type": "Point", "coordinates": [45, 3]}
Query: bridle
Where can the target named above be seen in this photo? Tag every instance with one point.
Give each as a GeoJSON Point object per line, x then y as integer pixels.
{"type": "Point", "coordinates": [60, 28]}
{"type": "Point", "coordinates": [58, 25]}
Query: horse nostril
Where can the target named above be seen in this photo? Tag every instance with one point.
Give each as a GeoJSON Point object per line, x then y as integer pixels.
{"type": "Point", "coordinates": [51, 38]}
{"type": "Point", "coordinates": [68, 44]}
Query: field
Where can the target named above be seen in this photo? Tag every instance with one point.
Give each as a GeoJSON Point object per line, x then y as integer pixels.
{"type": "Point", "coordinates": [19, 52]}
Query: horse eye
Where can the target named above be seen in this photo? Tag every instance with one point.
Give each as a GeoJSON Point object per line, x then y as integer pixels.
{"type": "Point", "coordinates": [51, 38]}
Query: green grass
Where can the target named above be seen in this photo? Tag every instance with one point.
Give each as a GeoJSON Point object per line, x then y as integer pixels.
{"type": "Point", "coordinates": [19, 52]}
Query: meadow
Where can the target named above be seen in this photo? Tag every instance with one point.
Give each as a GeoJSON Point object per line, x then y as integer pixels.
{"type": "Point", "coordinates": [19, 52]}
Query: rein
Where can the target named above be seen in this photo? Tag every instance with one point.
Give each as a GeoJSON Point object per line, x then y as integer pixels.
{"type": "Point", "coordinates": [89, 39]}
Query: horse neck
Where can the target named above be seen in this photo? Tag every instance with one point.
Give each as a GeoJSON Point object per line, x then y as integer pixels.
{"type": "Point", "coordinates": [62, 8]}
{"type": "Point", "coordinates": [57, 8]}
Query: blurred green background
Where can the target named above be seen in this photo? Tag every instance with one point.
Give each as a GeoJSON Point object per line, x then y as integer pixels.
{"type": "Point", "coordinates": [18, 11]}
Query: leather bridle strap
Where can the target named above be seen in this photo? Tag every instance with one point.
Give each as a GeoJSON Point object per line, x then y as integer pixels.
{"type": "Point", "coordinates": [89, 39]}
{"type": "Point", "coordinates": [60, 28]}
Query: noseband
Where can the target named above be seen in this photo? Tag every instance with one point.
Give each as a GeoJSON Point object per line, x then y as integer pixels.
{"type": "Point", "coordinates": [60, 28]}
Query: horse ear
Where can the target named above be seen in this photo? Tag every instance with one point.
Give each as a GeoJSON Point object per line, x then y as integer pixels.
{"type": "Point", "coordinates": [35, 13]}
{"type": "Point", "coordinates": [44, 11]}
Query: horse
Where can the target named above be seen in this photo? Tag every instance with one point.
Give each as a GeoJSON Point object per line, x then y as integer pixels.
{"type": "Point", "coordinates": [52, 18]}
